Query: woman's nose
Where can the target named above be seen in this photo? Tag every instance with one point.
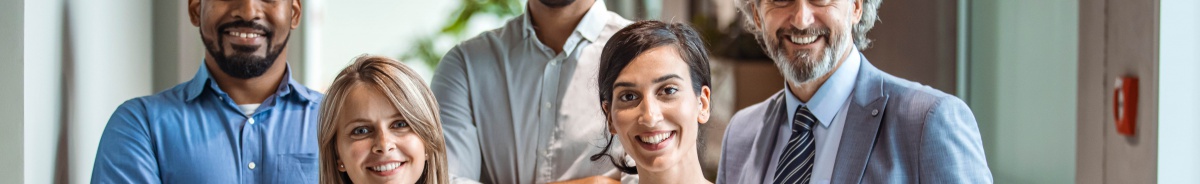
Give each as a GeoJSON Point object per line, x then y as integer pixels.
{"type": "Point", "coordinates": [383, 143]}
{"type": "Point", "coordinates": [651, 113]}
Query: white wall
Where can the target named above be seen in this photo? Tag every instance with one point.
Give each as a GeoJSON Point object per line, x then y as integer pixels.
{"type": "Point", "coordinates": [345, 29]}
{"type": "Point", "coordinates": [10, 96]}
{"type": "Point", "coordinates": [1179, 63]}
{"type": "Point", "coordinates": [43, 89]}
{"type": "Point", "coordinates": [110, 44]}
{"type": "Point", "coordinates": [1022, 87]}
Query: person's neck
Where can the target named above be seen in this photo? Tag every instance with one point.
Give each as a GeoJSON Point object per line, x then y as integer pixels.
{"type": "Point", "coordinates": [805, 91]}
{"type": "Point", "coordinates": [555, 25]}
{"type": "Point", "coordinates": [688, 170]}
{"type": "Point", "coordinates": [253, 90]}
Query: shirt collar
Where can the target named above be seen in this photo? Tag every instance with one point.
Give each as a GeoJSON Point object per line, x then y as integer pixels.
{"type": "Point", "coordinates": [589, 27]}
{"type": "Point", "coordinates": [203, 80]}
{"type": "Point", "coordinates": [832, 95]}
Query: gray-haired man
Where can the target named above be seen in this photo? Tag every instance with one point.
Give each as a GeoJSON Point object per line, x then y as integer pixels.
{"type": "Point", "coordinates": [840, 119]}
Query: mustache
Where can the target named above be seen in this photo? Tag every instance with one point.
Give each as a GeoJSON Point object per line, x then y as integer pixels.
{"type": "Point", "coordinates": [267, 31]}
{"type": "Point", "coordinates": [817, 30]}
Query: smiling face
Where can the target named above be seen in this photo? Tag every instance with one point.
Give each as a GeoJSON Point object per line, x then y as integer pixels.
{"type": "Point", "coordinates": [375, 144]}
{"type": "Point", "coordinates": [244, 37]}
{"type": "Point", "coordinates": [655, 111]}
{"type": "Point", "coordinates": [806, 38]}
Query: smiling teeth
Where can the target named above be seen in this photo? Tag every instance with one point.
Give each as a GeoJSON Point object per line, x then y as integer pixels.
{"type": "Point", "coordinates": [656, 138]}
{"type": "Point", "coordinates": [803, 40]}
{"type": "Point", "coordinates": [244, 35]}
{"type": "Point", "coordinates": [386, 167]}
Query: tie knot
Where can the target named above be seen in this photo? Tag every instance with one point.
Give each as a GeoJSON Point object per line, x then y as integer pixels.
{"type": "Point", "coordinates": [804, 117]}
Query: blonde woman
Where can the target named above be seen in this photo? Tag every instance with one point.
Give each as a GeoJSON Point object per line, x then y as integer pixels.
{"type": "Point", "coordinates": [379, 124]}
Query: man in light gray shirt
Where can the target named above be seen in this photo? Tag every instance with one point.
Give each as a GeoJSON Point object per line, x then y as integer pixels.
{"type": "Point", "coordinates": [518, 103]}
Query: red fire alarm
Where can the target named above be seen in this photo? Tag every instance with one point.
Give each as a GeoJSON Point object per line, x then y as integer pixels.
{"type": "Point", "coordinates": [1125, 105]}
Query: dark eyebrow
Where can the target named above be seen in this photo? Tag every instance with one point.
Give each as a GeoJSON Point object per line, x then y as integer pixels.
{"type": "Point", "coordinates": [658, 80]}
{"type": "Point", "coordinates": [623, 84]}
{"type": "Point", "coordinates": [667, 77]}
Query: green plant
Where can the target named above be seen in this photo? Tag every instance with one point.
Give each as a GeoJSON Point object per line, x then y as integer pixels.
{"type": "Point", "coordinates": [425, 48]}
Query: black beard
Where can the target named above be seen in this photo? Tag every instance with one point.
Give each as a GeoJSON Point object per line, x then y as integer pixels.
{"type": "Point", "coordinates": [557, 3]}
{"type": "Point", "coordinates": [244, 66]}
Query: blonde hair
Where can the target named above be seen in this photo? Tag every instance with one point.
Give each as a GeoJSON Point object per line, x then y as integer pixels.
{"type": "Point", "coordinates": [406, 91]}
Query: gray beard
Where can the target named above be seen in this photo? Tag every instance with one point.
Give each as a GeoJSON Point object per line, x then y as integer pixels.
{"type": "Point", "coordinates": [808, 68]}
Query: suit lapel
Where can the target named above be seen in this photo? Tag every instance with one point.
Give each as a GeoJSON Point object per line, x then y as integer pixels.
{"type": "Point", "coordinates": [765, 145]}
{"type": "Point", "coordinates": [862, 125]}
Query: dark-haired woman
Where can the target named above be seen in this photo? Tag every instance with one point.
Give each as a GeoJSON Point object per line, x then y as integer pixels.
{"type": "Point", "coordinates": [654, 89]}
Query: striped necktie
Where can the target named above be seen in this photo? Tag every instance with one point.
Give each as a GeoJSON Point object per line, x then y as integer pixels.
{"type": "Point", "coordinates": [796, 162]}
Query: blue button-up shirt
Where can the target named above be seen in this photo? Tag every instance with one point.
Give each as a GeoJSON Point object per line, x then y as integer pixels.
{"type": "Point", "coordinates": [194, 133]}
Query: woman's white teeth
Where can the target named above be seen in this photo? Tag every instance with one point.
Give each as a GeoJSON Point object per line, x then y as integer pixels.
{"type": "Point", "coordinates": [804, 40]}
{"type": "Point", "coordinates": [244, 35]}
{"type": "Point", "coordinates": [386, 167]}
{"type": "Point", "coordinates": [656, 138]}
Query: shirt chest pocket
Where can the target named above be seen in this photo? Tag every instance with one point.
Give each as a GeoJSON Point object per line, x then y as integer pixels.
{"type": "Point", "coordinates": [295, 168]}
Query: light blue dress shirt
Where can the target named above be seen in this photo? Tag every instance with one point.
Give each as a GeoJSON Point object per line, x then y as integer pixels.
{"type": "Point", "coordinates": [829, 104]}
{"type": "Point", "coordinates": [194, 133]}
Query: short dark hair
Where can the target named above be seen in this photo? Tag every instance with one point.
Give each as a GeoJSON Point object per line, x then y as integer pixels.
{"type": "Point", "coordinates": [632, 41]}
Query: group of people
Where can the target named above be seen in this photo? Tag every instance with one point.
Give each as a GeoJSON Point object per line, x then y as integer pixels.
{"type": "Point", "coordinates": [568, 92]}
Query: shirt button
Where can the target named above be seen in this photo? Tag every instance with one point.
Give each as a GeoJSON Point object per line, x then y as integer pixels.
{"type": "Point", "coordinates": [251, 121]}
{"type": "Point", "coordinates": [251, 165]}
{"type": "Point", "coordinates": [546, 105]}
{"type": "Point", "coordinates": [552, 63]}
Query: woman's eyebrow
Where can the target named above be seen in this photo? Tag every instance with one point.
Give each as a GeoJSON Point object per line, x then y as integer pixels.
{"type": "Point", "coordinates": [624, 84]}
{"type": "Point", "coordinates": [398, 116]}
{"type": "Point", "coordinates": [356, 121]}
{"type": "Point", "coordinates": [667, 77]}
{"type": "Point", "coordinates": [664, 78]}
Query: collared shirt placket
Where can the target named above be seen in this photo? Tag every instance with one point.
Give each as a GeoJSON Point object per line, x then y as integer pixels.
{"type": "Point", "coordinates": [550, 100]}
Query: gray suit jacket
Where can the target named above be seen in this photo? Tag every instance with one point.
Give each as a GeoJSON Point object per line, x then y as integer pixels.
{"type": "Point", "coordinates": [896, 131]}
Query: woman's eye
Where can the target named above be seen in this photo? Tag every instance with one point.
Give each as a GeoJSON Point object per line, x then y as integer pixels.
{"type": "Point", "coordinates": [360, 131]}
{"type": "Point", "coordinates": [400, 124]}
{"type": "Point", "coordinates": [627, 97]}
{"type": "Point", "coordinates": [670, 90]}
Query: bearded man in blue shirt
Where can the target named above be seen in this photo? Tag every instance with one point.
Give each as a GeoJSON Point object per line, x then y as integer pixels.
{"type": "Point", "coordinates": [241, 119]}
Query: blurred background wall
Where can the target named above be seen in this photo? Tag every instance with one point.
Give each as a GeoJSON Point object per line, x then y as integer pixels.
{"type": "Point", "coordinates": [1037, 74]}
{"type": "Point", "coordinates": [11, 74]}
{"type": "Point", "coordinates": [1179, 66]}
{"type": "Point", "coordinates": [1021, 85]}
{"type": "Point", "coordinates": [1118, 39]}
{"type": "Point", "coordinates": [45, 111]}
